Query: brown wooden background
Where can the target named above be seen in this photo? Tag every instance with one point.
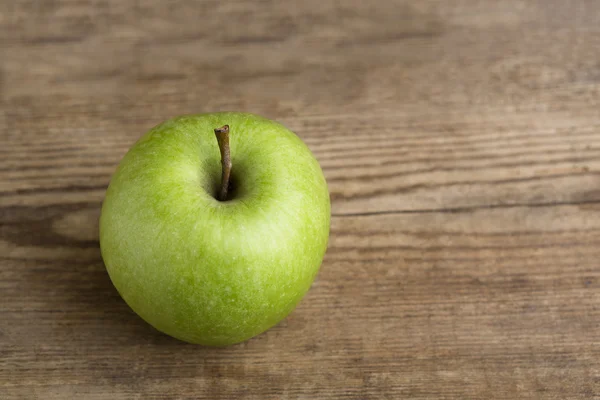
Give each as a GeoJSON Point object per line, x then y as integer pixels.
{"type": "Point", "coordinates": [461, 142]}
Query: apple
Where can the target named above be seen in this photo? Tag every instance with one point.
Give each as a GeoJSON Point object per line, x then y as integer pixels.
{"type": "Point", "coordinates": [215, 240]}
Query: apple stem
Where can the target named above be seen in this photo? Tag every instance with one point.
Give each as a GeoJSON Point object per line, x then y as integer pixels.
{"type": "Point", "coordinates": [222, 135]}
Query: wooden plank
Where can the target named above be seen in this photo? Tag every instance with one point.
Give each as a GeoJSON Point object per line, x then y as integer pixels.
{"type": "Point", "coordinates": [440, 163]}
{"type": "Point", "coordinates": [481, 303]}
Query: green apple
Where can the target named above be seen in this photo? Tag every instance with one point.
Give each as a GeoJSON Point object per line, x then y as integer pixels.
{"type": "Point", "coordinates": [205, 269]}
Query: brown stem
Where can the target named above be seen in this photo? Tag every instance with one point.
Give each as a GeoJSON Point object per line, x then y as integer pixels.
{"type": "Point", "coordinates": [222, 134]}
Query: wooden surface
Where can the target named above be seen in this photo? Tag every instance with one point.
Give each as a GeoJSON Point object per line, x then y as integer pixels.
{"type": "Point", "coordinates": [461, 143]}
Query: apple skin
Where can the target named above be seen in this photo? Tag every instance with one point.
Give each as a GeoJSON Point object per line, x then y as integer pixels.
{"type": "Point", "coordinates": [206, 271]}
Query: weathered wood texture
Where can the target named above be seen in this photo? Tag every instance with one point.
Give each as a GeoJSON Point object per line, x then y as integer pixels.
{"type": "Point", "coordinates": [461, 142]}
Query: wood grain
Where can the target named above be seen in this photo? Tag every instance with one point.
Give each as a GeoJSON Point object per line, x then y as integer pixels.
{"type": "Point", "coordinates": [461, 143]}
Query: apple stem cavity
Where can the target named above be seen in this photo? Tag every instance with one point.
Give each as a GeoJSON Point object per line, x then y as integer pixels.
{"type": "Point", "coordinates": [222, 135]}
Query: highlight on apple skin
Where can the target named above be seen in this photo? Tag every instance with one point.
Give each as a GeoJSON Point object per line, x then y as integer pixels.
{"type": "Point", "coordinates": [203, 268]}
